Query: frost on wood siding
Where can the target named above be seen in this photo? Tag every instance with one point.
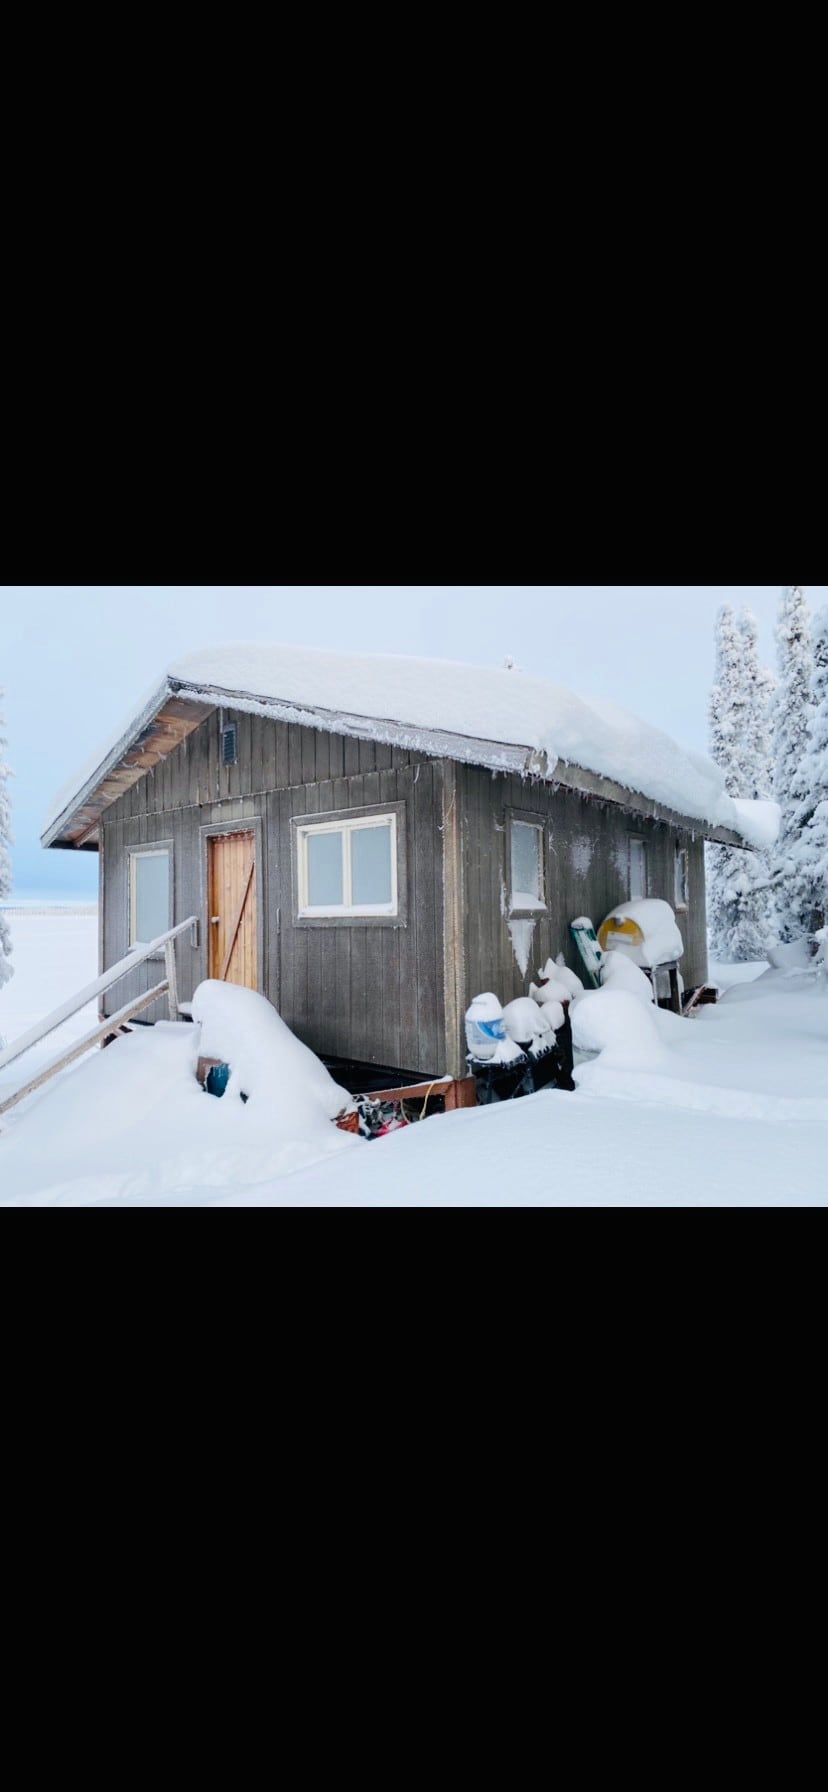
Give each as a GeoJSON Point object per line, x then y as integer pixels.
{"type": "Point", "coordinates": [374, 992]}
{"type": "Point", "coordinates": [587, 870]}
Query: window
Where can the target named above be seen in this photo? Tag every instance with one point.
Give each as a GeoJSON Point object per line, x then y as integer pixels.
{"type": "Point", "coordinates": [347, 868]}
{"type": "Point", "coordinates": [638, 870]}
{"type": "Point", "coordinates": [150, 895]}
{"type": "Point", "coordinates": [528, 880]}
{"type": "Point", "coordinates": [682, 878]}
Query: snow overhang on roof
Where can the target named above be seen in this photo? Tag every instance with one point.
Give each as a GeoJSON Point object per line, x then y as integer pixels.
{"type": "Point", "coordinates": [501, 719]}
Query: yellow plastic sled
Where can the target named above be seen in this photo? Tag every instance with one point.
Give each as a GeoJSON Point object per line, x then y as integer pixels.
{"type": "Point", "coordinates": [616, 932]}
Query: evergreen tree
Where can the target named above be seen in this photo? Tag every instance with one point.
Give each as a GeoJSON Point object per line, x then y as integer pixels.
{"type": "Point", "coordinates": [791, 743]}
{"type": "Point", "coordinates": [5, 860]}
{"type": "Point", "coordinates": [738, 918]}
{"type": "Point", "coordinates": [757, 759]}
{"type": "Point", "coordinates": [761, 690]}
{"type": "Point", "coordinates": [808, 887]}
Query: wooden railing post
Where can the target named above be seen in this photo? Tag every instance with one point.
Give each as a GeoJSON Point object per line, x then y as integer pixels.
{"type": "Point", "coordinates": [124, 968]}
{"type": "Point", "coordinates": [172, 978]}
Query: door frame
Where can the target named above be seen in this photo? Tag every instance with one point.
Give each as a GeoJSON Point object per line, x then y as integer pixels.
{"type": "Point", "coordinates": [215, 830]}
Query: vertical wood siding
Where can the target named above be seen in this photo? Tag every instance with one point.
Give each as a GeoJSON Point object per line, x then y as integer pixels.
{"type": "Point", "coordinates": [367, 992]}
{"type": "Point", "coordinates": [587, 846]}
{"type": "Point", "coordinates": [378, 993]}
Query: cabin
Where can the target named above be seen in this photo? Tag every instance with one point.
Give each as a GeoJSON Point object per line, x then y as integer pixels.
{"type": "Point", "coordinates": [370, 841]}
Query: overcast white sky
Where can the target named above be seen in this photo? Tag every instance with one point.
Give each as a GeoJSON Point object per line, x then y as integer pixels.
{"type": "Point", "coordinates": [73, 660]}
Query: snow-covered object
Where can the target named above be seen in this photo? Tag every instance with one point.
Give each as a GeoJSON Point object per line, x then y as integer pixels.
{"type": "Point", "coordinates": [550, 993]}
{"type": "Point", "coordinates": [485, 1029]}
{"type": "Point", "coordinates": [525, 1021]}
{"type": "Point", "coordinates": [554, 1015]}
{"type": "Point", "coordinates": [613, 1021]}
{"type": "Point", "coordinates": [483, 716]}
{"type": "Point", "coordinates": [268, 1063]}
{"type": "Point", "coordinates": [662, 940]}
{"type": "Point", "coordinates": [558, 972]}
{"type": "Point", "coordinates": [6, 968]}
{"type": "Point", "coordinates": [620, 972]}
{"type": "Point", "coordinates": [506, 1052]}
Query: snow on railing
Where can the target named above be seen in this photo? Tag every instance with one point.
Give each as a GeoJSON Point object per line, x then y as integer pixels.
{"type": "Point", "coordinates": [35, 1036]}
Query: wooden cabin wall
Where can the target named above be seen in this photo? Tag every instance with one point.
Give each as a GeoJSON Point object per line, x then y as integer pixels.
{"type": "Point", "coordinates": [369, 992]}
{"type": "Point", "coordinates": [587, 874]}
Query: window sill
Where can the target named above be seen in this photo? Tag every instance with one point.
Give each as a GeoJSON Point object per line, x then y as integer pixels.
{"type": "Point", "coordinates": [349, 921]}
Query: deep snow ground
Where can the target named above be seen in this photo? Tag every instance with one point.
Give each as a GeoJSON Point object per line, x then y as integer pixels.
{"type": "Point", "coordinates": [735, 1114]}
{"type": "Point", "coordinates": [54, 955]}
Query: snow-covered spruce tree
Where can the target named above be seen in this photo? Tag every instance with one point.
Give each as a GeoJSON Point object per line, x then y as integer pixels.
{"type": "Point", "coordinates": [757, 757]}
{"type": "Point", "coordinates": [5, 858]}
{"type": "Point", "coordinates": [808, 886]}
{"type": "Point", "coordinates": [738, 918]}
{"type": "Point", "coordinates": [791, 743]}
{"type": "Point", "coordinates": [761, 691]}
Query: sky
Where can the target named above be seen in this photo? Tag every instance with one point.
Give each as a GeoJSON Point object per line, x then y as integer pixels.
{"type": "Point", "coordinates": [75, 660]}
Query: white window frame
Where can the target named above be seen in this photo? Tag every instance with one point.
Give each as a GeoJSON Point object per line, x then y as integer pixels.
{"type": "Point", "coordinates": [347, 909]}
{"type": "Point", "coordinates": [639, 840]}
{"type": "Point", "coordinates": [681, 882]}
{"type": "Point", "coordinates": [539, 905]}
{"type": "Point", "coordinates": [161, 849]}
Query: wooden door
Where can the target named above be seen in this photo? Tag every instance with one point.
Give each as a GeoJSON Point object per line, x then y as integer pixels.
{"type": "Point", "coordinates": [233, 916]}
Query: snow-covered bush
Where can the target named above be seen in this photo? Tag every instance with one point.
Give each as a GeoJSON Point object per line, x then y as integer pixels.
{"type": "Point", "coordinates": [5, 859]}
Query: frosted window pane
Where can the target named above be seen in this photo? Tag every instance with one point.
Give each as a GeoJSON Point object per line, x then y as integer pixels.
{"type": "Point", "coordinates": [638, 870]}
{"type": "Point", "coordinates": [152, 897]}
{"type": "Point", "coordinates": [371, 866]}
{"type": "Point", "coordinates": [325, 871]}
{"type": "Point", "coordinates": [526, 861]}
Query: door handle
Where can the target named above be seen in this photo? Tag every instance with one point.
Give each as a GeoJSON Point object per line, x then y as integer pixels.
{"type": "Point", "coordinates": [214, 920]}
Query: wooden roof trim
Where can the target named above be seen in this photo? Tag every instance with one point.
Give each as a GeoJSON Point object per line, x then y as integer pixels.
{"type": "Point", "coordinates": [163, 724]}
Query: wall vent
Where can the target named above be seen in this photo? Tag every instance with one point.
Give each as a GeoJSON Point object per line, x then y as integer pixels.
{"type": "Point", "coordinates": [230, 744]}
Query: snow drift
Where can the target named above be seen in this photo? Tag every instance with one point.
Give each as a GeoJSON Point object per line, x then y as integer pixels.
{"type": "Point", "coordinates": [133, 1124]}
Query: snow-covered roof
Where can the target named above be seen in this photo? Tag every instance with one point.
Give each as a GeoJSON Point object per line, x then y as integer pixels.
{"type": "Point", "coordinates": [500, 718]}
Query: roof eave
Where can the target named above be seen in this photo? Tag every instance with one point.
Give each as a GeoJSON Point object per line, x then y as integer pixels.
{"type": "Point", "coordinates": [497, 756]}
{"type": "Point", "coordinates": [150, 712]}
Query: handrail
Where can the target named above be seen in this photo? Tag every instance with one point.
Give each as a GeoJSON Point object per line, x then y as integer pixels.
{"type": "Point", "coordinates": [138, 956]}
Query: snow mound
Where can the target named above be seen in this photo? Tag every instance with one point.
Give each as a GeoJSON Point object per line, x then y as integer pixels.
{"type": "Point", "coordinates": [268, 1062]}
{"type": "Point", "coordinates": [662, 940]}
{"type": "Point", "coordinates": [619, 972]}
{"type": "Point", "coordinates": [131, 1124]}
{"type": "Point", "coordinates": [617, 1024]}
{"type": "Point", "coordinates": [794, 960]}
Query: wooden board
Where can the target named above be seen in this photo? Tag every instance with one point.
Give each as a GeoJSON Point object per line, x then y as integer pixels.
{"type": "Point", "coordinates": [232, 918]}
